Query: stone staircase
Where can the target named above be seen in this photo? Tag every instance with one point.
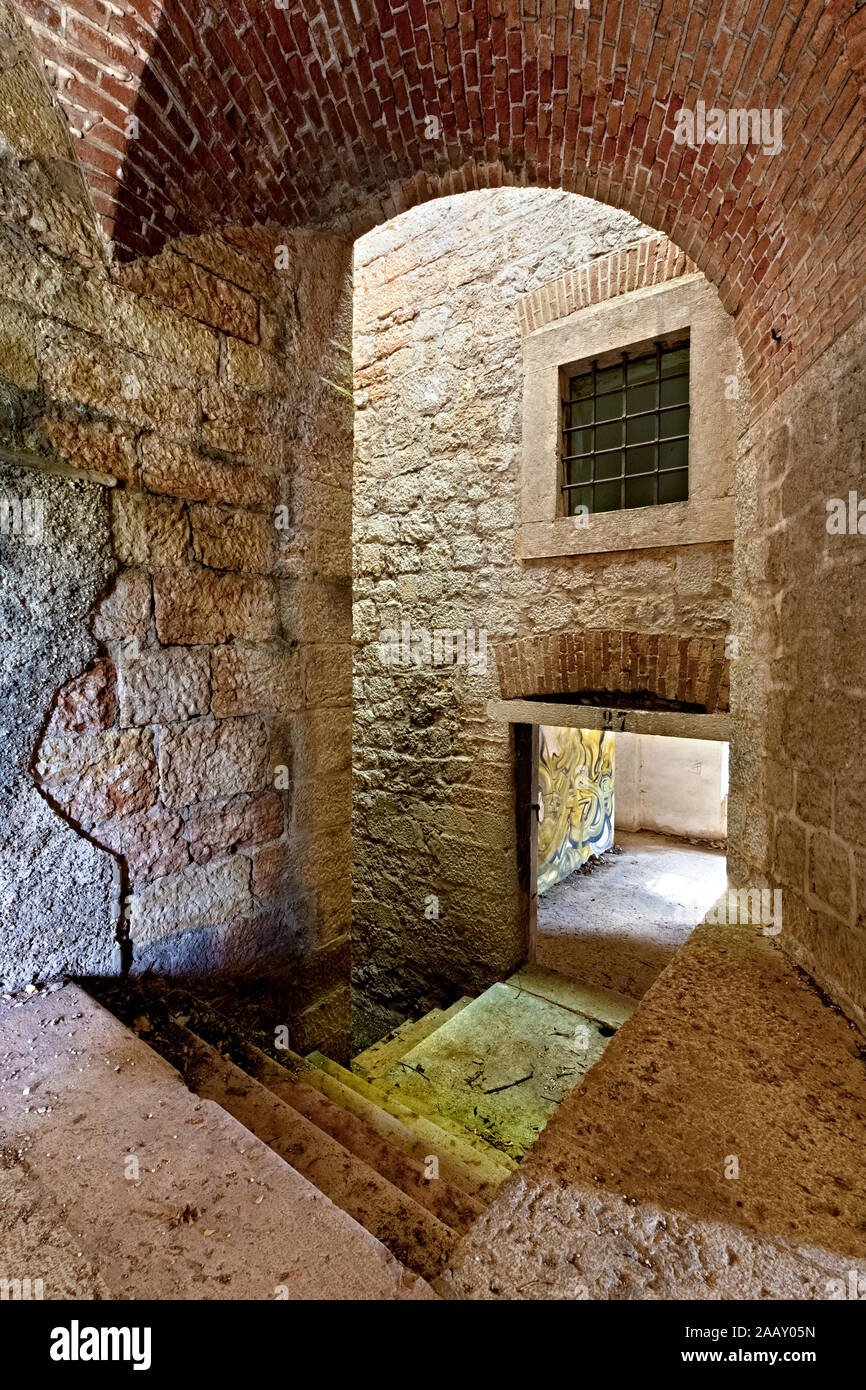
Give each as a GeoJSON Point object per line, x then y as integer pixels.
{"type": "Point", "coordinates": [162, 1154]}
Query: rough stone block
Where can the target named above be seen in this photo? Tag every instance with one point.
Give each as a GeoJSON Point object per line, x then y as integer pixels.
{"type": "Point", "coordinates": [225, 540]}
{"type": "Point", "coordinates": [144, 326]}
{"type": "Point", "coordinates": [205, 895]}
{"type": "Point", "coordinates": [327, 674]}
{"type": "Point", "coordinates": [188, 288]}
{"type": "Point", "coordinates": [213, 831]}
{"type": "Point", "coordinates": [151, 842]}
{"type": "Point", "coordinates": [322, 740]}
{"type": "Point", "coordinates": [29, 124]}
{"type": "Point", "coordinates": [274, 871]}
{"type": "Point", "coordinates": [255, 680]}
{"type": "Point", "coordinates": [162, 685]}
{"type": "Point", "coordinates": [321, 506]}
{"type": "Point", "coordinates": [97, 776]}
{"type": "Point", "coordinates": [316, 612]}
{"type": "Point", "coordinates": [830, 872]}
{"type": "Point", "coordinates": [18, 346]}
{"type": "Point", "coordinates": [214, 252]}
{"type": "Point", "coordinates": [125, 610]}
{"type": "Point", "coordinates": [212, 760]}
{"type": "Point", "coordinates": [78, 368]}
{"type": "Point", "coordinates": [93, 447]}
{"type": "Point", "coordinates": [201, 606]}
{"type": "Point", "coordinates": [179, 472]}
{"type": "Point", "coordinates": [255, 370]}
{"type": "Point", "coordinates": [242, 424]}
{"type": "Point", "coordinates": [87, 703]}
{"type": "Point", "coordinates": [149, 531]}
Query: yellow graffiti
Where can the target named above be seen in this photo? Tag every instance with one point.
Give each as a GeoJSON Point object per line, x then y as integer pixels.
{"type": "Point", "coordinates": [575, 782]}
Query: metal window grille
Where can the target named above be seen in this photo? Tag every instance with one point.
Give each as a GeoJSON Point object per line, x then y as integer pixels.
{"type": "Point", "coordinates": [625, 432]}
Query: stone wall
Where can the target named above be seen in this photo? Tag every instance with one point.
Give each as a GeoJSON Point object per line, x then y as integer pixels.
{"type": "Point", "coordinates": [176, 640]}
{"type": "Point", "coordinates": [674, 786]}
{"type": "Point", "coordinates": [438, 369]}
{"type": "Point", "coordinates": [796, 812]}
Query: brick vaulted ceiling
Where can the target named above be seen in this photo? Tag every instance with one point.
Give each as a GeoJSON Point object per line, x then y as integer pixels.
{"type": "Point", "coordinates": [343, 112]}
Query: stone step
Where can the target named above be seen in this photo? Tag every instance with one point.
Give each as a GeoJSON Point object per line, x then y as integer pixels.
{"type": "Point", "coordinates": [391, 1127]}
{"type": "Point", "coordinates": [488, 1170]}
{"type": "Point", "coordinates": [411, 1232]}
{"type": "Point", "coordinates": [606, 1005]}
{"type": "Point", "coordinates": [408, 1086]}
{"type": "Point", "coordinates": [166, 1195]}
{"type": "Point", "coordinates": [39, 1256]}
{"type": "Point", "coordinates": [376, 1060]}
{"type": "Point", "coordinates": [501, 1067]}
{"type": "Point", "coordinates": [447, 1201]}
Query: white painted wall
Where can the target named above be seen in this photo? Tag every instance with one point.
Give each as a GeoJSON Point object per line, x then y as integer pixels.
{"type": "Point", "coordinates": [676, 786]}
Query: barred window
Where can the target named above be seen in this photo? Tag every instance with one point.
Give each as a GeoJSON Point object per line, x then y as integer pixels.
{"type": "Point", "coordinates": [625, 431]}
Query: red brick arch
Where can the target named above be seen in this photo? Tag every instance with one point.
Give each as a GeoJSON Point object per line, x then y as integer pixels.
{"type": "Point", "coordinates": [249, 112]}
{"type": "Point", "coordinates": [610, 666]}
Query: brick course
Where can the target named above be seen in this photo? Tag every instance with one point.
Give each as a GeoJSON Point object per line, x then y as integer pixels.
{"type": "Point", "coordinates": [605, 661]}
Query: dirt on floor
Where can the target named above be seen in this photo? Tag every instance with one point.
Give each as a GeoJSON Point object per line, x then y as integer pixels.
{"type": "Point", "coordinates": [617, 923]}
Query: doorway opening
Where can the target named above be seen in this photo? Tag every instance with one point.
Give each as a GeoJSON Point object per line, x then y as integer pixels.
{"type": "Point", "coordinates": [631, 830]}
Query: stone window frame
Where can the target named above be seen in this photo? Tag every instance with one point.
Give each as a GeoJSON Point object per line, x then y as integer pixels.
{"type": "Point", "coordinates": [628, 322]}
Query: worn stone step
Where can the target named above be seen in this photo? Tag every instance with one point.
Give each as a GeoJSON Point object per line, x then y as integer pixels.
{"type": "Point", "coordinates": [39, 1256]}
{"type": "Point", "coordinates": [376, 1060]}
{"type": "Point", "coordinates": [606, 1005]}
{"type": "Point", "coordinates": [410, 1231]}
{"type": "Point", "coordinates": [391, 1127]}
{"type": "Point", "coordinates": [409, 1087]}
{"type": "Point", "coordinates": [165, 1194]}
{"type": "Point", "coordinates": [488, 1169]}
{"type": "Point", "coordinates": [447, 1201]}
{"type": "Point", "coordinates": [499, 1068]}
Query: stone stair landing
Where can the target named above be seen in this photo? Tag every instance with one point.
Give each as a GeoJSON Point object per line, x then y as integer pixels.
{"type": "Point", "coordinates": [499, 1067]}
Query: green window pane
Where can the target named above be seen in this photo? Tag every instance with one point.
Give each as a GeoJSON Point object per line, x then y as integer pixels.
{"type": "Point", "coordinates": [675, 391]}
{"type": "Point", "coordinates": [609, 407]}
{"type": "Point", "coordinates": [609, 436]}
{"type": "Point", "coordinates": [579, 497]}
{"type": "Point", "coordinates": [673, 422]}
{"type": "Point", "coordinates": [578, 441]}
{"type": "Point", "coordinates": [675, 361]}
{"type": "Point", "coordinates": [640, 492]}
{"type": "Point", "coordinates": [608, 465]}
{"type": "Point", "coordinates": [578, 413]}
{"type": "Point", "coordinates": [643, 369]}
{"type": "Point", "coordinates": [607, 496]}
{"type": "Point", "coordinates": [674, 487]}
{"type": "Point", "coordinates": [610, 379]}
{"type": "Point", "coordinates": [625, 432]}
{"type": "Point", "coordinates": [640, 460]}
{"type": "Point", "coordinates": [581, 387]}
{"type": "Point", "coordinates": [580, 470]}
{"type": "Point", "coordinates": [640, 398]}
{"type": "Point", "coordinates": [641, 429]}
{"type": "Point", "coordinates": [674, 453]}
